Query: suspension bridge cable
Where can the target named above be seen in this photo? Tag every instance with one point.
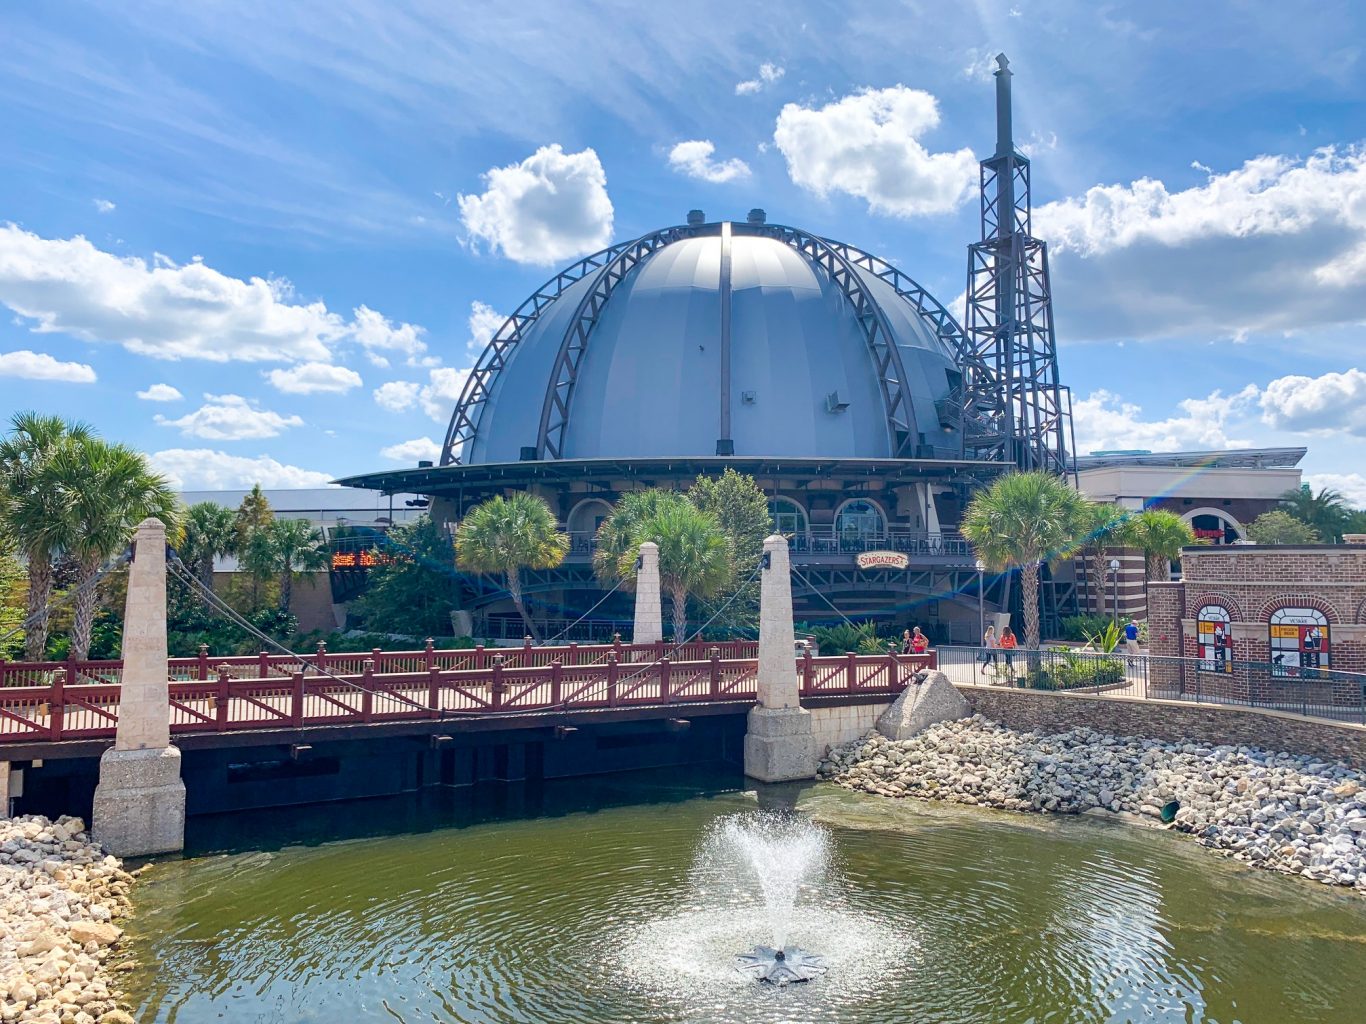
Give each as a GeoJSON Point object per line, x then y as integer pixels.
{"type": "Point", "coordinates": [565, 632]}
{"type": "Point", "coordinates": [227, 611]}
{"type": "Point", "coordinates": [827, 600]}
{"type": "Point", "coordinates": [70, 595]}
{"type": "Point", "coordinates": [678, 645]}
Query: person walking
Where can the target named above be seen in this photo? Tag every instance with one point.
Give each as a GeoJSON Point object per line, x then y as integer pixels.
{"type": "Point", "coordinates": [1131, 638]}
{"type": "Point", "coordinates": [920, 643]}
{"type": "Point", "coordinates": [906, 640]}
{"type": "Point", "coordinates": [1008, 645]}
{"type": "Point", "coordinates": [991, 650]}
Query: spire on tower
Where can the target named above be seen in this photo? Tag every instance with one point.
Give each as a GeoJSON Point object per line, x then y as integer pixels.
{"type": "Point", "coordinates": [1005, 141]}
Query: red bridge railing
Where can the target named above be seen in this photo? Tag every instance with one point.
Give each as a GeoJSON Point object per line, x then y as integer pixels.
{"type": "Point", "coordinates": [270, 698]}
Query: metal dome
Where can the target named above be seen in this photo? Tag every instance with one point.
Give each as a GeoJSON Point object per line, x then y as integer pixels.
{"type": "Point", "coordinates": [744, 339]}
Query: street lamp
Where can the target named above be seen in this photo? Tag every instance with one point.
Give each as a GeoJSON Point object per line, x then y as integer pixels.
{"type": "Point", "coordinates": [1114, 591]}
{"type": "Point", "coordinates": [981, 568]}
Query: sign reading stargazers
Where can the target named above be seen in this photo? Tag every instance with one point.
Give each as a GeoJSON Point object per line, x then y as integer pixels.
{"type": "Point", "coordinates": [882, 560]}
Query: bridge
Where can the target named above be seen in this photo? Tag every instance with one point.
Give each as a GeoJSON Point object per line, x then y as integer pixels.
{"type": "Point", "coordinates": [62, 709]}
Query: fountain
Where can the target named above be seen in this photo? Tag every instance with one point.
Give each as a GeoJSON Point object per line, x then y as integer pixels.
{"type": "Point", "coordinates": [783, 854]}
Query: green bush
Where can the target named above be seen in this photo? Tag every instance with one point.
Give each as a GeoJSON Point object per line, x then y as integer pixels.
{"type": "Point", "coordinates": [1073, 672]}
{"type": "Point", "coordinates": [844, 638]}
{"type": "Point", "coordinates": [1082, 627]}
{"type": "Point", "coordinates": [340, 643]}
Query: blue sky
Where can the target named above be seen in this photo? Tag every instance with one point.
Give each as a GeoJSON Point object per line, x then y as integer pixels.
{"type": "Point", "coordinates": [261, 241]}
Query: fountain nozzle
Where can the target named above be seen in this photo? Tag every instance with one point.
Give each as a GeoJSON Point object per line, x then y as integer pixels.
{"type": "Point", "coordinates": [781, 966]}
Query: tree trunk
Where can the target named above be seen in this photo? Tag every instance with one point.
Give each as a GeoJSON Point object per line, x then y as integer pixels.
{"type": "Point", "coordinates": [286, 588]}
{"type": "Point", "coordinates": [515, 590]}
{"type": "Point", "coordinates": [1098, 570]}
{"type": "Point", "coordinates": [87, 600]}
{"type": "Point", "coordinates": [678, 596]}
{"type": "Point", "coordinates": [1159, 568]}
{"type": "Point", "coordinates": [39, 593]}
{"type": "Point", "coordinates": [1029, 593]}
{"type": "Point", "coordinates": [205, 568]}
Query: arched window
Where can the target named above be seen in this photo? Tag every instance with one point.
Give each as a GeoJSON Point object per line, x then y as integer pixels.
{"type": "Point", "coordinates": [1299, 641]}
{"type": "Point", "coordinates": [788, 517]}
{"type": "Point", "coordinates": [1213, 526]}
{"type": "Point", "coordinates": [1215, 639]}
{"type": "Point", "coordinates": [859, 523]}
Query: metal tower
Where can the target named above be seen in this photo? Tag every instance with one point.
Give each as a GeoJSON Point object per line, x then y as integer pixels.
{"type": "Point", "coordinates": [1014, 409]}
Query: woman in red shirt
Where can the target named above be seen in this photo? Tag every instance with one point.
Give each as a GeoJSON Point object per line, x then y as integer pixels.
{"type": "Point", "coordinates": [1008, 646]}
{"type": "Point", "coordinates": [919, 641]}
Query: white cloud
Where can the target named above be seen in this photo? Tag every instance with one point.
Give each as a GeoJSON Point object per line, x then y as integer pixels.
{"type": "Point", "coordinates": [768, 74]}
{"type": "Point", "coordinates": [979, 65]}
{"type": "Point", "coordinates": [1104, 421]}
{"type": "Point", "coordinates": [1319, 405]}
{"type": "Point", "coordinates": [867, 145]}
{"type": "Point", "coordinates": [484, 324]}
{"type": "Point", "coordinates": [30, 365]}
{"type": "Point", "coordinates": [1278, 244]}
{"type": "Point", "coordinates": [373, 332]}
{"type": "Point", "coordinates": [104, 205]}
{"type": "Point", "coordinates": [231, 418]}
{"type": "Point", "coordinates": [551, 206]}
{"type": "Point", "coordinates": [170, 311]}
{"type": "Point", "coordinates": [205, 469]}
{"type": "Point", "coordinates": [693, 158]}
{"type": "Point", "coordinates": [312, 378]}
{"type": "Point", "coordinates": [1352, 486]}
{"type": "Point", "coordinates": [397, 395]}
{"type": "Point", "coordinates": [417, 449]}
{"type": "Point", "coordinates": [161, 393]}
{"type": "Point", "coordinates": [439, 395]}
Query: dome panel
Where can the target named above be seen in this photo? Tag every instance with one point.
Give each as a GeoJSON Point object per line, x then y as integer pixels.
{"type": "Point", "coordinates": [803, 382]}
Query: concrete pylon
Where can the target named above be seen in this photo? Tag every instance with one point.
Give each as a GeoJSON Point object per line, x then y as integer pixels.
{"type": "Point", "coordinates": [140, 799]}
{"type": "Point", "coordinates": [649, 627]}
{"type": "Point", "coordinates": [779, 746]}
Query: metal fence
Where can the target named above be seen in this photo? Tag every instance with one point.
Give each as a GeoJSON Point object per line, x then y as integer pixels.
{"type": "Point", "coordinates": [1316, 693]}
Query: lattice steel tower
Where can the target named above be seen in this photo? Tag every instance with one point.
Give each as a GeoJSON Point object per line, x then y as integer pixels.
{"type": "Point", "coordinates": [1015, 410]}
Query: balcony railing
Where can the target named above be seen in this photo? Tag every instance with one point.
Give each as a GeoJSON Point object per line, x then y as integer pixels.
{"type": "Point", "coordinates": [828, 541]}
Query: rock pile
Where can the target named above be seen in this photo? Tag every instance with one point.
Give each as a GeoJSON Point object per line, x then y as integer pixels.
{"type": "Point", "coordinates": [1283, 812]}
{"type": "Point", "coordinates": [59, 897]}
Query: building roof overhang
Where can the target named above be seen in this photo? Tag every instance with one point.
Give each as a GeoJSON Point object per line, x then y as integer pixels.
{"type": "Point", "coordinates": [439, 480]}
{"type": "Point", "coordinates": [1236, 458]}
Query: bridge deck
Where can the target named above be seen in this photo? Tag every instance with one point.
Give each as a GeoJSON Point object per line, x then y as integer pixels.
{"type": "Point", "coordinates": [57, 712]}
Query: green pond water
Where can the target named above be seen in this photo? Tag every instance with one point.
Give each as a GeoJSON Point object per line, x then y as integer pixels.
{"type": "Point", "coordinates": [587, 901]}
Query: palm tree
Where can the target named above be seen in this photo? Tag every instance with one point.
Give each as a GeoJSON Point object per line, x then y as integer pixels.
{"type": "Point", "coordinates": [29, 512]}
{"type": "Point", "coordinates": [507, 535]}
{"type": "Point", "coordinates": [619, 533]}
{"type": "Point", "coordinates": [105, 490]}
{"type": "Point", "coordinates": [695, 556]}
{"type": "Point", "coordinates": [1104, 526]}
{"type": "Point", "coordinates": [1326, 511]}
{"type": "Point", "coordinates": [210, 533]}
{"type": "Point", "coordinates": [1021, 520]}
{"type": "Point", "coordinates": [1161, 535]}
{"type": "Point", "coordinates": [295, 546]}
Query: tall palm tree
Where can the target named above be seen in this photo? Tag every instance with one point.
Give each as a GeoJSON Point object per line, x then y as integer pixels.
{"type": "Point", "coordinates": [506, 535]}
{"type": "Point", "coordinates": [619, 533]}
{"type": "Point", "coordinates": [210, 533]}
{"type": "Point", "coordinates": [1104, 526]}
{"type": "Point", "coordinates": [1161, 535]}
{"type": "Point", "coordinates": [695, 556]}
{"type": "Point", "coordinates": [296, 545]}
{"type": "Point", "coordinates": [1326, 511]}
{"type": "Point", "coordinates": [1020, 521]}
{"type": "Point", "coordinates": [105, 491]}
{"type": "Point", "coordinates": [29, 511]}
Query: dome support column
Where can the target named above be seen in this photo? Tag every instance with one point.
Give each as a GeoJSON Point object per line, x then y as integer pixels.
{"type": "Point", "coordinates": [725, 444]}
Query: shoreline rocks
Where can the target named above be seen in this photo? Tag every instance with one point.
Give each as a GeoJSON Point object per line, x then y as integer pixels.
{"type": "Point", "coordinates": [60, 896]}
{"type": "Point", "coordinates": [1278, 811]}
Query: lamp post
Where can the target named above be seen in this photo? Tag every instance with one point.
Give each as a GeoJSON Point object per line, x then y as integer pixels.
{"type": "Point", "coordinates": [1114, 591]}
{"type": "Point", "coordinates": [981, 568]}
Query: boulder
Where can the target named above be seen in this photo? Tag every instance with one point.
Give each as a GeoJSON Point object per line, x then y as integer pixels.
{"type": "Point", "coordinates": [932, 699]}
{"type": "Point", "coordinates": [95, 931]}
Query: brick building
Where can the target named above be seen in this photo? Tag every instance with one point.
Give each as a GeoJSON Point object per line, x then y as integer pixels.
{"type": "Point", "coordinates": [1263, 622]}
